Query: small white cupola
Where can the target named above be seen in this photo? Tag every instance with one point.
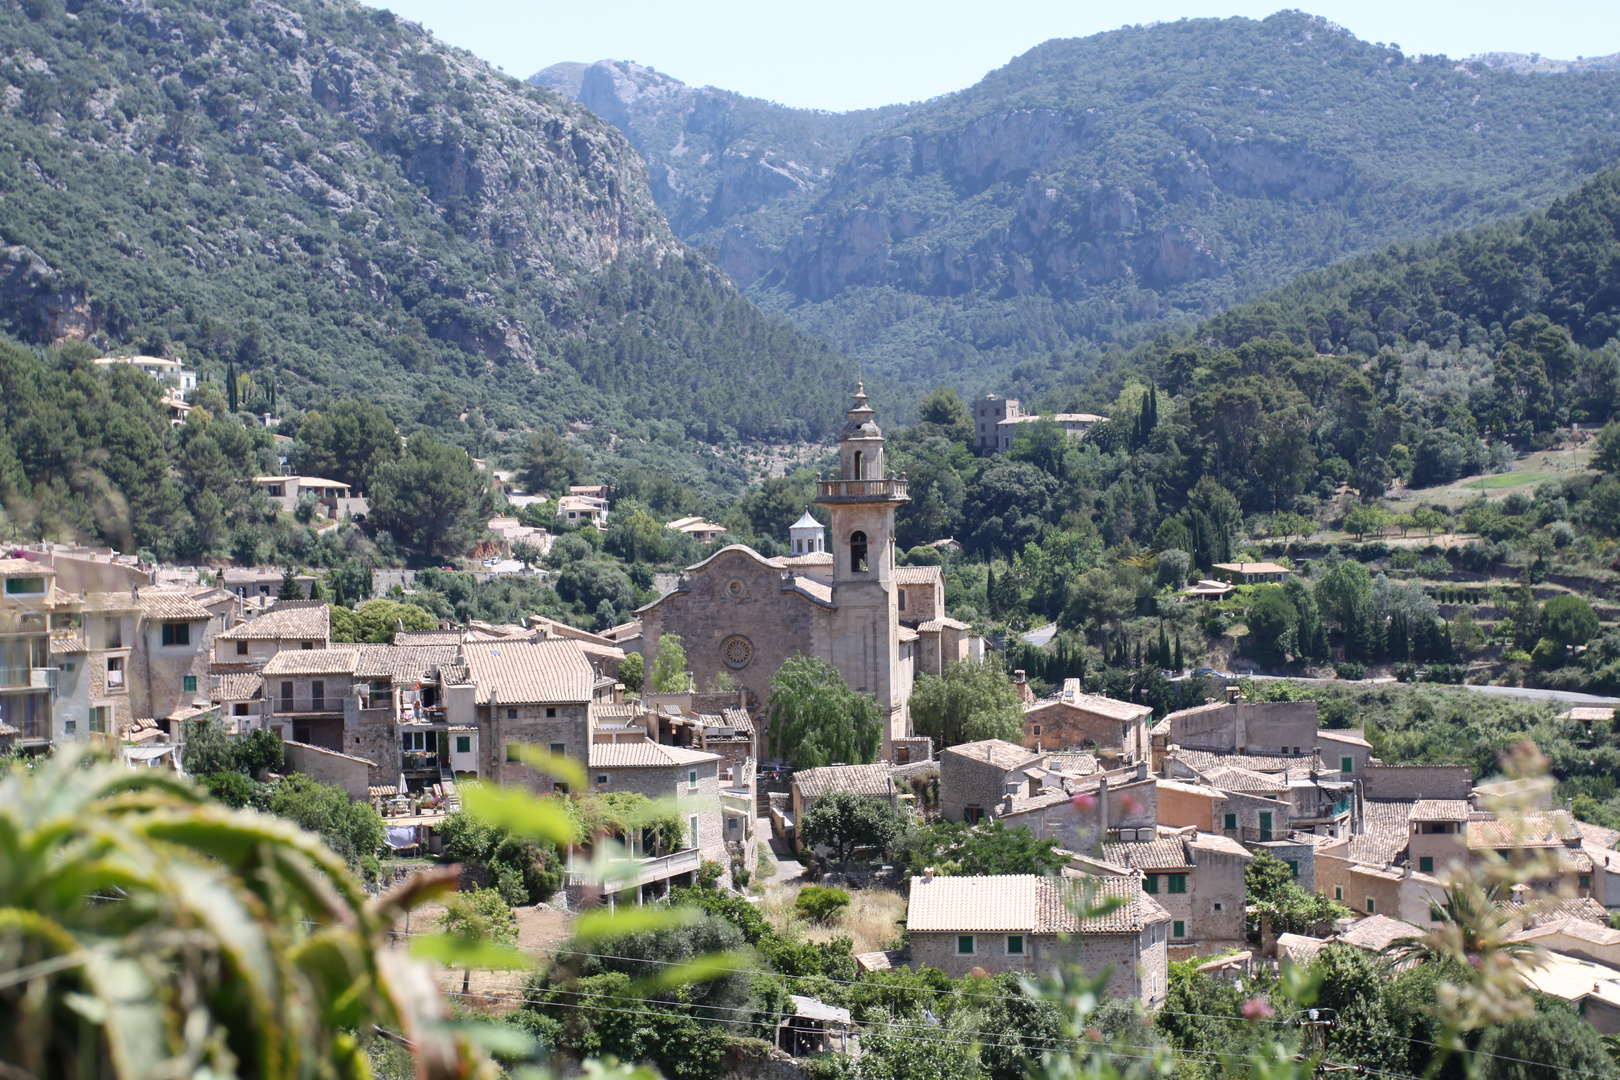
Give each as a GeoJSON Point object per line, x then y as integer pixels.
{"type": "Point", "coordinates": [806, 536]}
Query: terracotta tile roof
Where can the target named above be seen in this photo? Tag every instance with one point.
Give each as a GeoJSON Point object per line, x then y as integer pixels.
{"type": "Point", "coordinates": [889, 960]}
{"type": "Point", "coordinates": [944, 622]}
{"type": "Point", "coordinates": [427, 637]}
{"type": "Point", "coordinates": [1549, 829]}
{"type": "Point", "coordinates": [812, 588]}
{"type": "Point", "coordinates": [998, 752]}
{"type": "Point", "coordinates": [1598, 836]}
{"type": "Point", "coordinates": [554, 670]}
{"type": "Point", "coordinates": [737, 718]}
{"type": "Point", "coordinates": [304, 619]}
{"type": "Point", "coordinates": [1112, 708]}
{"type": "Point", "coordinates": [1025, 803]}
{"type": "Point", "coordinates": [645, 755]}
{"type": "Point", "coordinates": [1440, 810]}
{"type": "Point", "coordinates": [1073, 764]}
{"type": "Point", "coordinates": [1353, 738]}
{"type": "Point", "coordinates": [67, 646]}
{"type": "Point", "coordinates": [1216, 842]}
{"type": "Point", "coordinates": [918, 575]}
{"type": "Point", "coordinates": [25, 566]}
{"type": "Point", "coordinates": [1187, 787]}
{"type": "Point", "coordinates": [908, 634]}
{"type": "Point", "coordinates": [873, 780]}
{"type": "Point", "coordinates": [1203, 761]}
{"type": "Point", "coordinates": [1550, 908]}
{"type": "Point", "coordinates": [1377, 932]}
{"type": "Point", "coordinates": [1245, 781]}
{"type": "Point", "coordinates": [339, 660]}
{"type": "Point", "coordinates": [813, 558]}
{"type": "Point", "coordinates": [1168, 854]}
{"type": "Point", "coordinates": [1581, 929]}
{"type": "Point", "coordinates": [172, 604]}
{"type": "Point", "coordinates": [609, 711]}
{"type": "Point", "coordinates": [111, 601]}
{"type": "Point", "coordinates": [238, 686]}
{"type": "Point", "coordinates": [401, 663]}
{"type": "Point", "coordinates": [1299, 949]}
{"type": "Point", "coordinates": [1386, 833]}
{"type": "Point", "coordinates": [1025, 903]}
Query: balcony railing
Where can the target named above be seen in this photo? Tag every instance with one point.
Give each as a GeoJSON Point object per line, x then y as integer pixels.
{"type": "Point", "coordinates": [413, 761]}
{"type": "Point", "coordinates": [861, 489]}
{"type": "Point", "coordinates": [629, 873]}
{"type": "Point", "coordinates": [16, 676]}
{"type": "Point", "coordinates": [308, 704]}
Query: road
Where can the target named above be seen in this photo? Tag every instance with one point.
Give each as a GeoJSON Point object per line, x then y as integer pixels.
{"type": "Point", "coordinates": [1528, 693]}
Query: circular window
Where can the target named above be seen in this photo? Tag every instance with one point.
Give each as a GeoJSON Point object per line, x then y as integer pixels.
{"type": "Point", "coordinates": [736, 589]}
{"type": "Point", "coordinates": [737, 651]}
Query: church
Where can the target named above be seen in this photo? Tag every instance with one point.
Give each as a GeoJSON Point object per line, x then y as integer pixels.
{"type": "Point", "coordinates": [840, 598]}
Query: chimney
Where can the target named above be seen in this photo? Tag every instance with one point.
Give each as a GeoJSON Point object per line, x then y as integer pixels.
{"type": "Point", "coordinates": [1234, 694]}
{"type": "Point", "coordinates": [1020, 677]}
{"type": "Point", "coordinates": [1142, 769]}
{"type": "Point", "coordinates": [928, 874]}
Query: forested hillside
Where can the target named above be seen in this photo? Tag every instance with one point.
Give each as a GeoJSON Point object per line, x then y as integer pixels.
{"type": "Point", "coordinates": [1095, 187]}
{"type": "Point", "coordinates": [338, 204]}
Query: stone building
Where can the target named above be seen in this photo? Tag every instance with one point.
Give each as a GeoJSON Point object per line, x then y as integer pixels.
{"type": "Point", "coordinates": [1242, 727]}
{"type": "Point", "coordinates": [975, 777]}
{"type": "Point", "coordinates": [1026, 924]}
{"type": "Point", "coordinates": [287, 624]}
{"type": "Point", "coordinates": [1198, 878]}
{"type": "Point", "coordinates": [175, 636]}
{"type": "Point", "coordinates": [743, 615]}
{"type": "Point", "coordinates": [1074, 719]}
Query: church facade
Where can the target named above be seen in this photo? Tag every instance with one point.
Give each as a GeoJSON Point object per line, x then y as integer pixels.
{"type": "Point", "coordinates": [837, 596]}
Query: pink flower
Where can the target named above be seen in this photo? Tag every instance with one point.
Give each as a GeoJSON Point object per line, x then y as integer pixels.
{"type": "Point", "coordinates": [1084, 801]}
{"type": "Point", "coordinates": [1130, 804]}
{"type": "Point", "coordinates": [1258, 1009]}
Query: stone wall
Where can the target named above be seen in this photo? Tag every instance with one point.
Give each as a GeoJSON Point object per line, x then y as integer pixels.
{"type": "Point", "coordinates": [668, 782]}
{"type": "Point", "coordinates": [1262, 727]}
{"type": "Point", "coordinates": [158, 683]}
{"type": "Point", "coordinates": [1249, 809]}
{"type": "Point", "coordinates": [966, 782]}
{"type": "Point", "coordinates": [1139, 962]}
{"type": "Point", "coordinates": [1058, 725]}
{"type": "Point", "coordinates": [1403, 783]}
{"type": "Point", "coordinates": [371, 734]}
{"type": "Point", "coordinates": [350, 773]}
{"type": "Point", "coordinates": [567, 730]}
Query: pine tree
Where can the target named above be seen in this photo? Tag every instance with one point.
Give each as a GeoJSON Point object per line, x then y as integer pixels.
{"type": "Point", "coordinates": [290, 589]}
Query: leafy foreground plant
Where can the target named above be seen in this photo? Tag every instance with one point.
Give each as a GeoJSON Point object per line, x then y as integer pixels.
{"type": "Point", "coordinates": [146, 932]}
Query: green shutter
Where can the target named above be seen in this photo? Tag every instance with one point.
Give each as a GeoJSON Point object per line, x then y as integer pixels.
{"type": "Point", "coordinates": [1231, 821]}
{"type": "Point", "coordinates": [1347, 764]}
{"type": "Point", "coordinates": [1150, 884]}
{"type": "Point", "coordinates": [1178, 929]}
{"type": "Point", "coordinates": [188, 684]}
{"type": "Point", "coordinates": [1425, 864]}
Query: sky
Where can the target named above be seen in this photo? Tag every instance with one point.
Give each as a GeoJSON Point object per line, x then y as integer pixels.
{"type": "Point", "coordinates": [852, 54]}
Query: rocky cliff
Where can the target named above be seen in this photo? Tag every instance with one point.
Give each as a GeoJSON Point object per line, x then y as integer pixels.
{"type": "Point", "coordinates": [320, 186]}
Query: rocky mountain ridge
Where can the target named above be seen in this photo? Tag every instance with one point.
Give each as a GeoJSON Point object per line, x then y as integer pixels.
{"type": "Point", "coordinates": [323, 187]}
{"type": "Point", "coordinates": [1095, 187]}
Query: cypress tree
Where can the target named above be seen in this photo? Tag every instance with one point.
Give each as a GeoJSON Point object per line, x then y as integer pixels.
{"type": "Point", "coordinates": [1163, 659]}
{"type": "Point", "coordinates": [1180, 667]}
{"type": "Point", "coordinates": [990, 591]}
{"type": "Point", "coordinates": [230, 387]}
{"type": "Point", "coordinates": [1138, 652]}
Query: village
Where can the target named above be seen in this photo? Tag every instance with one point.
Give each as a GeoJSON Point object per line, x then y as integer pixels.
{"type": "Point", "coordinates": [1160, 821]}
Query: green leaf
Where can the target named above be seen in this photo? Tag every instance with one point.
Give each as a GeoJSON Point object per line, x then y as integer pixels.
{"type": "Point", "coordinates": [452, 951]}
{"type": "Point", "coordinates": [563, 768]}
{"type": "Point", "coordinates": [517, 812]}
{"type": "Point", "coordinates": [698, 969]}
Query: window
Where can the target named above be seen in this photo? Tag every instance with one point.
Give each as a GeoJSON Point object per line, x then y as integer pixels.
{"type": "Point", "coordinates": [691, 779]}
{"type": "Point", "coordinates": [1435, 914]}
{"type": "Point", "coordinates": [1217, 907]}
{"type": "Point", "coordinates": [857, 553]}
{"type": "Point", "coordinates": [860, 465]}
{"type": "Point", "coordinates": [692, 829]}
{"type": "Point", "coordinates": [902, 599]}
{"type": "Point", "coordinates": [1347, 764]}
{"type": "Point", "coordinates": [1015, 944]}
{"type": "Point", "coordinates": [115, 672]}
{"type": "Point", "coordinates": [602, 780]}
{"type": "Point", "coordinates": [1178, 884]}
{"type": "Point", "coordinates": [1150, 884]}
{"type": "Point", "coordinates": [1178, 929]}
{"type": "Point", "coordinates": [241, 648]}
{"type": "Point", "coordinates": [1338, 892]}
{"type": "Point", "coordinates": [306, 645]}
{"type": "Point", "coordinates": [188, 684]}
{"type": "Point", "coordinates": [1586, 881]}
{"type": "Point", "coordinates": [240, 708]}
{"type": "Point", "coordinates": [463, 744]}
{"type": "Point", "coordinates": [286, 697]}
{"type": "Point", "coordinates": [317, 695]}
{"type": "Point", "coordinates": [559, 749]}
{"type": "Point", "coordinates": [973, 814]}
{"type": "Point", "coordinates": [70, 727]}
{"type": "Point", "coordinates": [1371, 907]}
{"type": "Point", "coordinates": [512, 751]}
{"type": "Point", "coordinates": [551, 713]}
{"type": "Point", "coordinates": [511, 714]}
{"type": "Point", "coordinates": [1037, 729]}
{"type": "Point", "coordinates": [1265, 825]}
{"type": "Point", "coordinates": [964, 945]}
{"type": "Point", "coordinates": [1230, 821]}
{"type": "Point", "coordinates": [25, 586]}
{"type": "Point", "coordinates": [113, 631]}
{"type": "Point", "coordinates": [1426, 864]}
{"type": "Point", "coordinates": [176, 633]}
{"type": "Point", "coordinates": [98, 719]}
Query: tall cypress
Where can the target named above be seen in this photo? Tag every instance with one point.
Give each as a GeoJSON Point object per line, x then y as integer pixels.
{"type": "Point", "coordinates": [1163, 659]}
{"type": "Point", "coordinates": [1180, 667]}
{"type": "Point", "coordinates": [990, 591]}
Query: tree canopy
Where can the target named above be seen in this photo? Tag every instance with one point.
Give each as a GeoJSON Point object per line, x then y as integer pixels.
{"type": "Point", "coordinates": [816, 719]}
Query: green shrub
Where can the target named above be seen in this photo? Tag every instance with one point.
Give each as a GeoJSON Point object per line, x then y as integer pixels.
{"type": "Point", "coordinates": [821, 904]}
{"type": "Point", "coordinates": [1350, 669]}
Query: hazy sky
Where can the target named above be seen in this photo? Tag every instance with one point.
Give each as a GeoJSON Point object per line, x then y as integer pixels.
{"type": "Point", "coordinates": [850, 54]}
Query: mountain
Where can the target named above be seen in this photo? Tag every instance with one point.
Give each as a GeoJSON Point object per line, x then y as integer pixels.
{"type": "Point", "coordinates": [319, 191]}
{"type": "Point", "coordinates": [1093, 189]}
{"type": "Point", "coordinates": [715, 156]}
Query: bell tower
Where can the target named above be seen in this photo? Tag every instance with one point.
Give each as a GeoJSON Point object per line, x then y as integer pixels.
{"type": "Point", "coordinates": [865, 644]}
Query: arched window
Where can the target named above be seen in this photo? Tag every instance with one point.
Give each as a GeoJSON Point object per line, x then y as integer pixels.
{"type": "Point", "coordinates": [857, 552]}
{"type": "Point", "coordinates": [860, 465]}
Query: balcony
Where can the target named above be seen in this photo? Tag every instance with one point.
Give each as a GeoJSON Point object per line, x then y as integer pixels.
{"type": "Point", "coordinates": [415, 761]}
{"type": "Point", "coordinates": [286, 706]}
{"type": "Point", "coordinates": [634, 873]}
{"type": "Point", "coordinates": [861, 491]}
